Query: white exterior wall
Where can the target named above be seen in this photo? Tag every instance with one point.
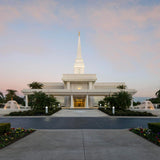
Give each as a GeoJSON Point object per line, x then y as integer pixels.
{"type": "Point", "coordinates": [79, 86]}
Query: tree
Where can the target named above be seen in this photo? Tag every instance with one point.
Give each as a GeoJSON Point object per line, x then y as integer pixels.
{"type": "Point", "coordinates": [101, 103]}
{"type": "Point", "coordinates": [121, 86]}
{"type": "Point", "coordinates": [35, 85]}
{"type": "Point", "coordinates": [136, 103]}
{"type": "Point", "coordinates": [1, 97]}
{"type": "Point", "coordinates": [11, 94]}
{"type": "Point", "coordinates": [123, 100]}
{"type": "Point", "coordinates": [111, 100]}
{"type": "Point", "coordinates": [39, 100]}
{"type": "Point", "coordinates": [120, 100]}
{"type": "Point", "coordinates": [158, 94]}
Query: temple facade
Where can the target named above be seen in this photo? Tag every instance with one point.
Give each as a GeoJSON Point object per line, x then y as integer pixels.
{"type": "Point", "coordinates": [78, 89]}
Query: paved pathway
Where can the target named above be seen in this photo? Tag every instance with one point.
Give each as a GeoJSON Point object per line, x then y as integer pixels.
{"type": "Point", "coordinates": [81, 145]}
{"type": "Point", "coordinates": [79, 113]}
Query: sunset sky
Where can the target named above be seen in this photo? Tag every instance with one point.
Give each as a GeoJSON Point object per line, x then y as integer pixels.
{"type": "Point", "coordinates": [120, 41]}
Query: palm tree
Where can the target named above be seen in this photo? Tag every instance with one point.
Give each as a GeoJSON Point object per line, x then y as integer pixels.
{"type": "Point", "coordinates": [123, 100]}
{"type": "Point", "coordinates": [11, 94]}
{"type": "Point", "coordinates": [1, 97]}
{"type": "Point", "coordinates": [121, 86]}
{"type": "Point", "coordinates": [158, 94]}
{"type": "Point", "coordinates": [35, 85]}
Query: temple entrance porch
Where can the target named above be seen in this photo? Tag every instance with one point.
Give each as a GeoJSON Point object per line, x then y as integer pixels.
{"type": "Point", "coordinates": [79, 101]}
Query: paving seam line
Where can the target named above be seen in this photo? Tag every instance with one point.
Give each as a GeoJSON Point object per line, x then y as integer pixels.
{"type": "Point", "coordinates": [83, 144]}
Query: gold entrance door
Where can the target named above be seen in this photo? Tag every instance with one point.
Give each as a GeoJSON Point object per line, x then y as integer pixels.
{"type": "Point", "coordinates": [79, 102]}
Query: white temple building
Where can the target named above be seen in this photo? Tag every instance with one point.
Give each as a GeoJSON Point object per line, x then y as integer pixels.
{"type": "Point", "coordinates": [78, 89]}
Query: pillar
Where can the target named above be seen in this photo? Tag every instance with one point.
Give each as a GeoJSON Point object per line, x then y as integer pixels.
{"type": "Point", "coordinates": [146, 105]}
{"type": "Point", "coordinates": [131, 104]}
{"type": "Point", "coordinates": [68, 85]}
{"type": "Point", "coordinates": [86, 101]}
{"type": "Point", "coordinates": [26, 101]}
{"type": "Point", "coordinates": [90, 85]}
{"type": "Point", "coordinates": [71, 101]}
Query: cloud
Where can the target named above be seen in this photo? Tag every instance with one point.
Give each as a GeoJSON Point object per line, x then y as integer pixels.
{"type": "Point", "coordinates": [36, 11]}
{"type": "Point", "coordinates": [125, 32]}
{"type": "Point", "coordinates": [127, 37]}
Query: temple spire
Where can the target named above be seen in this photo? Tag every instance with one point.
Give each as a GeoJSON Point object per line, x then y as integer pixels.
{"type": "Point", "coordinates": [79, 64]}
{"type": "Point", "coordinates": [79, 47]}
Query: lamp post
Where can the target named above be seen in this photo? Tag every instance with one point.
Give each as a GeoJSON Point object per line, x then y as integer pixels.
{"type": "Point", "coordinates": [46, 109]}
{"type": "Point", "coordinates": [113, 110]}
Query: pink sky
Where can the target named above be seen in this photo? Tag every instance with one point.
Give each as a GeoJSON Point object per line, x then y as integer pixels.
{"type": "Point", "coordinates": [120, 41]}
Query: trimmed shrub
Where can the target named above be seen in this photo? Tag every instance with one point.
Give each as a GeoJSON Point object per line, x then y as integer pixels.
{"type": "Point", "coordinates": [154, 127]}
{"type": "Point", "coordinates": [38, 112]}
{"type": "Point", "coordinates": [124, 112]}
{"type": "Point", "coordinates": [4, 127]}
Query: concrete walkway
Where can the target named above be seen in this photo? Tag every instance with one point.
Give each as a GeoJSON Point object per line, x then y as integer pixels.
{"type": "Point", "coordinates": [79, 113]}
{"type": "Point", "coordinates": [81, 145]}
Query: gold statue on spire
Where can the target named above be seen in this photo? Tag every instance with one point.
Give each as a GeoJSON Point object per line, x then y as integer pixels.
{"type": "Point", "coordinates": [78, 33]}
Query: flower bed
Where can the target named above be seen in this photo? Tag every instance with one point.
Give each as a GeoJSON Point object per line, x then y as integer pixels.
{"type": "Point", "coordinates": [13, 135]}
{"type": "Point", "coordinates": [147, 134]}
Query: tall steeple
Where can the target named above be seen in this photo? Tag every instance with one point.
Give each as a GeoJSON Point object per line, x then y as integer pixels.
{"type": "Point", "coordinates": [79, 64]}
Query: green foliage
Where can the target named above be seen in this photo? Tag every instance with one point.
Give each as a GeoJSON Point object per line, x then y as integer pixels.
{"type": "Point", "coordinates": [35, 85]}
{"type": "Point", "coordinates": [39, 100]}
{"type": "Point", "coordinates": [121, 87]}
{"type": "Point", "coordinates": [35, 112]}
{"type": "Point", "coordinates": [12, 95]}
{"type": "Point", "coordinates": [147, 134]}
{"type": "Point", "coordinates": [4, 127]}
{"type": "Point", "coordinates": [101, 102]}
{"type": "Point", "coordinates": [121, 100]}
{"type": "Point", "coordinates": [136, 103]}
{"type": "Point", "coordinates": [112, 101]}
{"type": "Point", "coordinates": [154, 127]}
{"type": "Point", "coordinates": [1, 97]}
{"type": "Point", "coordinates": [124, 112]}
{"type": "Point", "coordinates": [158, 94]}
{"type": "Point", "coordinates": [157, 99]}
{"type": "Point", "coordinates": [13, 135]}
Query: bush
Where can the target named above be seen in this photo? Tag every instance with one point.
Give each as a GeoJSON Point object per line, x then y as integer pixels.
{"type": "Point", "coordinates": [147, 134]}
{"type": "Point", "coordinates": [37, 112]}
{"type": "Point", "coordinates": [4, 127]}
{"type": "Point", "coordinates": [124, 112]}
{"type": "Point", "coordinates": [13, 135]}
{"type": "Point", "coordinates": [154, 127]}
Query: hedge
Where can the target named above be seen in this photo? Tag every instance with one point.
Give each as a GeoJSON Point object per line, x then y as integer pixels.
{"type": "Point", "coordinates": [4, 127]}
{"type": "Point", "coordinates": [34, 112]}
{"type": "Point", "coordinates": [154, 127]}
{"type": "Point", "coordinates": [124, 112]}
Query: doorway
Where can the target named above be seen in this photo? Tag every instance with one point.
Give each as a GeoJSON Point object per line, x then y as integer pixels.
{"type": "Point", "coordinates": [79, 101]}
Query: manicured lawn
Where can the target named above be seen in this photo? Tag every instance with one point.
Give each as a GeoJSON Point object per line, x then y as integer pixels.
{"type": "Point", "coordinates": [13, 135]}
{"type": "Point", "coordinates": [147, 134]}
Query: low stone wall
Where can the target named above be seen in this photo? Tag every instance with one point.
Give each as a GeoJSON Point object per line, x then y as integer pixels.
{"type": "Point", "coordinates": [7, 111]}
